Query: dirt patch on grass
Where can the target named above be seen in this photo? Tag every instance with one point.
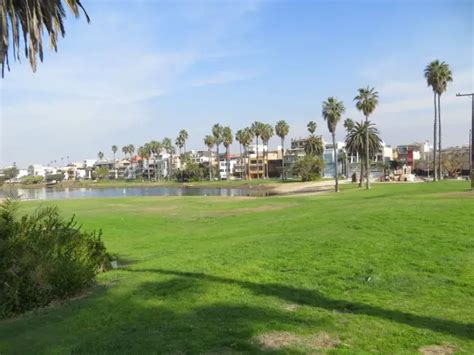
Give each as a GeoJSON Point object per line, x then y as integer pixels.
{"type": "Point", "coordinates": [274, 341]}
{"type": "Point", "coordinates": [445, 349]}
{"type": "Point", "coordinates": [292, 307]}
{"type": "Point", "coordinates": [457, 194]}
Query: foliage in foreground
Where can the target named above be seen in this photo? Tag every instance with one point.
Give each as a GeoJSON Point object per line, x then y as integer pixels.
{"type": "Point", "coordinates": [309, 168]}
{"type": "Point", "coordinates": [44, 257]}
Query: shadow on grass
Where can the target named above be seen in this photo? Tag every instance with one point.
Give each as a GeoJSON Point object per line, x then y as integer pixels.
{"type": "Point", "coordinates": [315, 299]}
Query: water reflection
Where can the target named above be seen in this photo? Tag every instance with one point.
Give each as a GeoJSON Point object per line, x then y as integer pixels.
{"type": "Point", "coordinates": [58, 193]}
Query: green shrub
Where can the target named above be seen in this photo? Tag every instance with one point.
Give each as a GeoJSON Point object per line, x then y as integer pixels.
{"type": "Point", "coordinates": [44, 257]}
{"type": "Point", "coordinates": [309, 168]}
{"type": "Point", "coordinates": [30, 180]}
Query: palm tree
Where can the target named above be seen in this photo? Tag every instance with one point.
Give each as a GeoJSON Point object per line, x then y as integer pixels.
{"type": "Point", "coordinates": [437, 75]}
{"type": "Point", "coordinates": [267, 134]}
{"type": "Point", "coordinates": [366, 101]}
{"type": "Point", "coordinates": [332, 112]}
{"type": "Point", "coordinates": [125, 150]}
{"type": "Point", "coordinates": [312, 127]}
{"type": "Point", "coordinates": [131, 149]}
{"type": "Point", "coordinates": [314, 146]}
{"type": "Point", "coordinates": [184, 137]}
{"type": "Point", "coordinates": [29, 19]}
{"type": "Point", "coordinates": [227, 140]}
{"type": "Point", "coordinates": [100, 155]}
{"type": "Point", "coordinates": [257, 129]}
{"type": "Point", "coordinates": [179, 143]}
{"type": "Point", "coordinates": [239, 135]}
{"type": "Point", "coordinates": [217, 133]}
{"type": "Point", "coordinates": [169, 148]}
{"type": "Point", "coordinates": [356, 139]}
{"type": "Point", "coordinates": [148, 151]}
{"type": "Point", "coordinates": [114, 150]}
{"type": "Point", "coordinates": [156, 148]}
{"type": "Point", "coordinates": [348, 125]}
{"type": "Point", "coordinates": [142, 153]}
{"type": "Point", "coordinates": [209, 142]}
{"type": "Point", "coordinates": [282, 129]}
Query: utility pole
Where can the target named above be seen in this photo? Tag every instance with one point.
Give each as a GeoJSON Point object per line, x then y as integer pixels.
{"type": "Point", "coordinates": [471, 143]}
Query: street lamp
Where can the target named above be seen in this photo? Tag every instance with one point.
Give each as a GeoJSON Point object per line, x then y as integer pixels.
{"type": "Point", "coordinates": [471, 143]}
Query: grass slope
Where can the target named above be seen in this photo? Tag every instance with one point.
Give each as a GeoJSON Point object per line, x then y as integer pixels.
{"type": "Point", "coordinates": [388, 270]}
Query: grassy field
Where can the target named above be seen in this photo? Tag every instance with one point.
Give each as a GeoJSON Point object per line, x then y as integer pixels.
{"type": "Point", "coordinates": [389, 270]}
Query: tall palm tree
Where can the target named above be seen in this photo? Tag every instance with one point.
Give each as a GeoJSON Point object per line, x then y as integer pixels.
{"type": "Point", "coordinates": [156, 148]}
{"type": "Point", "coordinates": [131, 149]}
{"type": "Point", "coordinates": [125, 150]}
{"type": "Point", "coordinates": [438, 75]}
{"type": "Point", "coordinates": [366, 101]}
{"type": "Point", "coordinates": [179, 142]}
{"type": "Point", "coordinates": [29, 20]}
{"type": "Point", "coordinates": [247, 137]}
{"type": "Point", "coordinates": [332, 112]}
{"type": "Point", "coordinates": [356, 139]}
{"type": "Point", "coordinates": [209, 142]}
{"type": "Point", "coordinates": [257, 129]}
{"type": "Point", "coordinates": [239, 137]}
{"type": "Point", "coordinates": [184, 137]}
{"type": "Point", "coordinates": [217, 134]}
{"type": "Point", "coordinates": [432, 76]}
{"type": "Point", "coordinates": [100, 155]}
{"type": "Point", "coordinates": [142, 153]}
{"type": "Point", "coordinates": [267, 134]}
{"type": "Point", "coordinates": [149, 152]}
{"type": "Point", "coordinates": [282, 129]}
{"type": "Point", "coordinates": [312, 127]}
{"type": "Point", "coordinates": [227, 139]}
{"type": "Point", "coordinates": [314, 146]}
{"type": "Point", "coordinates": [169, 148]}
{"type": "Point", "coordinates": [348, 125]}
{"type": "Point", "coordinates": [114, 150]}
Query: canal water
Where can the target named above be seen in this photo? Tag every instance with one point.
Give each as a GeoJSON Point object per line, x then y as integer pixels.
{"type": "Point", "coordinates": [58, 193]}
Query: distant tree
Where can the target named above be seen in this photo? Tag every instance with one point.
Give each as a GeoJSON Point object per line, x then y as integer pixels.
{"type": "Point", "coordinates": [366, 102]}
{"type": "Point", "coordinates": [179, 142]}
{"type": "Point", "coordinates": [209, 142]}
{"type": "Point", "coordinates": [348, 125]}
{"type": "Point", "coordinates": [257, 129]}
{"type": "Point", "coordinates": [114, 150]}
{"type": "Point", "coordinates": [101, 173]}
{"type": "Point", "coordinates": [227, 139]}
{"type": "Point", "coordinates": [282, 129]}
{"type": "Point", "coordinates": [143, 154]}
{"type": "Point", "coordinates": [312, 127]}
{"type": "Point", "coordinates": [29, 19]}
{"type": "Point", "coordinates": [314, 146]}
{"type": "Point", "coordinates": [267, 134]}
{"type": "Point", "coordinates": [125, 150]}
{"type": "Point", "coordinates": [169, 148]}
{"type": "Point", "coordinates": [184, 137]}
{"type": "Point", "coordinates": [100, 155]}
{"type": "Point", "coordinates": [239, 137]}
{"type": "Point", "coordinates": [217, 131]}
{"type": "Point", "coordinates": [453, 163]}
{"type": "Point", "coordinates": [356, 140]}
{"type": "Point", "coordinates": [309, 167]}
{"type": "Point", "coordinates": [10, 173]}
{"type": "Point", "coordinates": [332, 113]}
{"type": "Point", "coordinates": [437, 75]}
{"type": "Point", "coordinates": [131, 149]}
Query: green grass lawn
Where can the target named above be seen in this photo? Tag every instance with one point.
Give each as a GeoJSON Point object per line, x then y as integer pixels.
{"type": "Point", "coordinates": [389, 270]}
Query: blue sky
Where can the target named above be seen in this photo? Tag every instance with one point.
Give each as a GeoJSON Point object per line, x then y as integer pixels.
{"type": "Point", "coordinates": [144, 69]}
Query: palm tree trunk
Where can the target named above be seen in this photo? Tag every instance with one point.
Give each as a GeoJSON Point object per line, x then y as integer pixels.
{"type": "Point", "coordinates": [258, 171]}
{"type": "Point", "coordinates": [367, 183]}
{"type": "Point", "coordinates": [227, 163]}
{"type": "Point", "coordinates": [335, 160]}
{"type": "Point", "coordinates": [435, 139]}
{"type": "Point", "coordinates": [440, 172]}
{"type": "Point", "coordinates": [148, 168]}
{"type": "Point", "coordinates": [282, 158]}
{"type": "Point", "coordinates": [218, 162]}
{"type": "Point", "coordinates": [210, 164]}
{"type": "Point", "coordinates": [240, 158]}
{"type": "Point", "coordinates": [361, 171]}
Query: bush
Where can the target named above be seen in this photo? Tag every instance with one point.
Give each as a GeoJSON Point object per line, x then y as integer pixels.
{"type": "Point", "coordinates": [55, 177]}
{"type": "Point", "coordinates": [30, 180]}
{"type": "Point", "coordinates": [44, 258]}
{"type": "Point", "coordinates": [309, 168]}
